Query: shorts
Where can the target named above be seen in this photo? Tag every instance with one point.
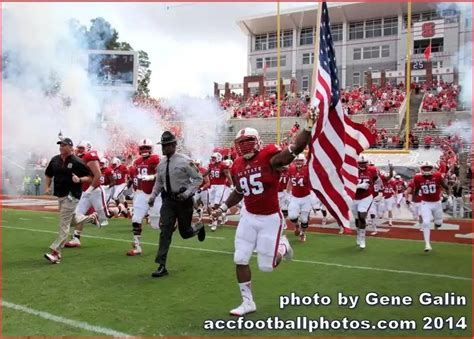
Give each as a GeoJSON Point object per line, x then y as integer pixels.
{"type": "Point", "coordinates": [431, 210]}
{"type": "Point", "coordinates": [299, 207]}
{"type": "Point", "coordinates": [388, 204]}
{"type": "Point", "coordinates": [362, 206]}
{"type": "Point", "coordinates": [141, 208]}
{"type": "Point", "coordinates": [283, 200]}
{"type": "Point", "coordinates": [218, 194]}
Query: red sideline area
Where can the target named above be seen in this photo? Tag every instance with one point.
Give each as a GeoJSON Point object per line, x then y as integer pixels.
{"type": "Point", "coordinates": [399, 230]}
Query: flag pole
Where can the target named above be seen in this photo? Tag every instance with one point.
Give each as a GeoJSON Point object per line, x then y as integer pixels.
{"type": "Point", "coordinates": [278, 122]}
{"type": "Point", "coordinates": [408, 79]}
{"type": "Point", "coordinates": [314, 82]}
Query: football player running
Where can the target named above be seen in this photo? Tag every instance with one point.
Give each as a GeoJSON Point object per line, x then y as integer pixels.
{"type": "Point", "coordinates": [145, 167]}
{"type": "Point", "coordinates": [256, 175]}
{"type": "Point", "coordinates": [429, 182]}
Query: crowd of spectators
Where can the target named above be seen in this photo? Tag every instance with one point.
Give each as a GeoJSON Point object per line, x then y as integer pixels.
{"type": "Point", "coordinates": [440, 97]}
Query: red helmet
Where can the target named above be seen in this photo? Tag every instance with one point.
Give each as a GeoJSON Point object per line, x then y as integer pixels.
{"type": "Point", "coordinates": [145, 147]}
{"type": "Point", "coordinates": [247, 142]}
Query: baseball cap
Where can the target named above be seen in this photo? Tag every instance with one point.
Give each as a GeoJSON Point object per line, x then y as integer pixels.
{"type": "Point", "coordinates": [65, 141]}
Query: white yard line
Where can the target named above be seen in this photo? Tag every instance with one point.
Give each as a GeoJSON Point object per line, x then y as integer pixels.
{"type": "Point", "coordinates": [368, 268]}
{"type": "Point", "coordinates": [62, 320]}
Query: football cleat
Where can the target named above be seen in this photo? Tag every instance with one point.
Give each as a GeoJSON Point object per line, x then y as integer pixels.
{"type": "Point", "coordinates": [303, 237]}
{"type": "Point", "coordinates": [324, 221]}
{"type": "Point", "coordinates": [245, 308]}
{"type": "Point", "coordinates": [54, 257]}
{"type": "Point", "coordinates": [136, 250]}
{"type": "Point", "coordinates": [104, 223]}
{"type": "Point", "coordinates": [74, 242]}
{"type": "Point", "coordinates": [289, 251]}
{"type": "Point", "coordinates": [428, 248]}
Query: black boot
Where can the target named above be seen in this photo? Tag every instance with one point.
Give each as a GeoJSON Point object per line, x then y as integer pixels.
{"type": "Point", "coordinates": [160, 272]}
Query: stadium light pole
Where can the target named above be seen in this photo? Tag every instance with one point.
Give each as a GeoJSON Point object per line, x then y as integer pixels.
{"type": "Point", "coordinates": [278, 121]}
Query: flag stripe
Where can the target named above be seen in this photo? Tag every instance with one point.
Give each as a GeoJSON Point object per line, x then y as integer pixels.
{"type": "Point", "coordinates": [336, 141]}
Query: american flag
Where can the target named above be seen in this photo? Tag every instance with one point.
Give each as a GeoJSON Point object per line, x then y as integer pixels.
{"type": "Point", "coordinates": [336, 140]}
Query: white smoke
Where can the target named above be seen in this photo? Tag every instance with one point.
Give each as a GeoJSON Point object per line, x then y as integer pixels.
{"type": "Point", "coordinates": [38, 46]}
{"type": "Point", "coordinates": [462, 60]}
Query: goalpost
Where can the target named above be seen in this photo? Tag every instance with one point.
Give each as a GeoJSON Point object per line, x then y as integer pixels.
{"type": "Point", "coordinates": [406, 149]}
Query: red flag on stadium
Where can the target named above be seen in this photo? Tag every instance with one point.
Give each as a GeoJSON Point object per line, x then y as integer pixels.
{"type": "Point", "coordinates": [336, 140]}
{"type": "Point", "coordinates": [427, 52]}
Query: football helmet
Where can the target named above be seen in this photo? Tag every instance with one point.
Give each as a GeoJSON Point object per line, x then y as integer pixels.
{"type": "Point", "coordinates": [216, 157]}
{"type": "Point", "coordinates": [82, 147]}
{"type": "Point", "coordinates": [398, 177]}
{"type": "Point", "coordinates": [198, 162]}
{"type": "Point", "coordinates": [104, 163]}
{"type": "Point", "coordinates": [362, 162]}
{"type": "Point", "coordinates": [247, 142]}
{"type": "Point", "coordinates": [116, 162]}
{"type": "Point", "coordinates": [300, 160]}
{"type": "Point", "coordinates": [145, 147]}
{"type": "Point", "coordinates": [426, 168]}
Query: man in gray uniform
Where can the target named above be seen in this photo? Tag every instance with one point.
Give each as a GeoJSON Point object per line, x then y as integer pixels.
{"type": "Point", "coordinates": [177, 178]}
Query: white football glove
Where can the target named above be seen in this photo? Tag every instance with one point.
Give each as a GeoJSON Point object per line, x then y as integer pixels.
{"type": "Point", "coordinates": [363, 186]}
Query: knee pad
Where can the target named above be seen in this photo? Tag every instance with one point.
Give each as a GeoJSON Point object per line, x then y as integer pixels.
{"type": "Point", "coordinates": [265, 268]}
{"type": "Point", "coordinates": [137, 228]}
{"type": "Point", "coordinates": [241, 258]}
{"type": "Point", "coordinates": [324, 212]}
{"type": "Point", "coordinates": [304, 217]}
{"type": "Point", "coordinates": [304, 225]}
{"type": "Point", "coordinates": [294, 221]}
{"type": "Point", "coordinates": [285, 213]}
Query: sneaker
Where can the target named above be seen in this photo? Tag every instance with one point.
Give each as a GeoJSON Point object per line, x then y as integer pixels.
{"type": "Point", "coordinates": [341, 231]}
{"type": "Point", "coordinates": [289, 251]}
{"type": "Point", "coordinates": [428, 248]}
{"type": "Point", "coordinates": [362, 243]}
{"type": "Point", "coordinates": [213, 226]}
{"type": "Point", "coordinates": [104, 223]}
{"type": "Point", "coordinates": [136, 250]}
{"type": "Point", "coordinates": [245, 308]}
{"type": "Point", "coordinates": [373, 233]}
{"type": "Point", "coordinates": [54, 257]}
{"type": "Point", "coordinates": [74, 242]}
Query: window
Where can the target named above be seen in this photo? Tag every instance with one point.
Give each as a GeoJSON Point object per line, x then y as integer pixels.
{"type": "Point", "coordinates": [272, 40]}
{"type": "Point", "coordinates": [356, 30]}
{"type": "Point", "coordinates": [356, 79]}
{"type": "Point", "coordinates": [286, 39]}
{"type": "Point", "coordinates": [336, 32]}
{"type": "Point", "coordinates": [270, 61]}
{"type": "Point", "coordinates": [357, 54]}
{"type": "Point", "coordinates": [260, 42]}
{"type": "Point", "coordinates": [385, 51]}
{"type": "Point", "coordinates": [390, 26]}
{"type": "Point", "coordinates": [372, 52]}
{"type": "Point", "coordinates": [419, 46]}
{"type": "Point", "coordinates": [305, 83]}
{"type": "Point", "coordinates": [308, 58]}
{"type": "Point", "coordinates": [438, 64]}
{"type": "Point", "coordinates": [259, 63]}
{"type": "Point", "coordinates": [468, 23]}
{"type": "Point", "coordinates": [306, 36]}
{"type": "Point", "coordinates": [373, 28]}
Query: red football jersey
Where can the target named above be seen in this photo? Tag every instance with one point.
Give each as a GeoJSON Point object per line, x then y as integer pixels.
{"type": "Point", "coordinates": [87, 157]}
{"type": "Point", "coordinates": [430, 186]}
{"type": "Point", "coordinates": [105, 174]}
{"type": "Point", "coordinates": [259, 181]}
{"type": "Point", "coordinates": [283, 180]}
{"type": "Point", "coordinates": [389, 188]}
{"type": "Point", "coordinates": [120, 174]}
{"type": "Point", "coordinates": [401, 185]}
{"type": "Point", "coordinates": [415, 198]}
{"type": "Point", "coordinates": [147, 166]}
{"type": "Point", "coordinates": [132, 171]}
{"type": "Point", "coordinates": [299, 181]}
{"type": "Point", "coordinates": [216, 174]}
{"type": "Point", "coordinates": [368, 175]}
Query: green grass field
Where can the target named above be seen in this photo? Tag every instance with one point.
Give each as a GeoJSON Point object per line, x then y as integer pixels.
{"type": "Point", "coordinates": [100, 286]}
